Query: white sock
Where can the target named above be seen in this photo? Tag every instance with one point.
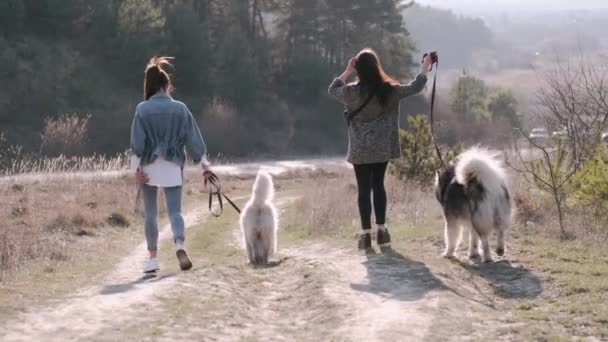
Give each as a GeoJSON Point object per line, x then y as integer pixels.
{"type": "Point", "coordinates": [382, 227]}
{"type": "Point", "coordinates": [365, 231]}
{"type": "Point", "coordinates": [179, 245]}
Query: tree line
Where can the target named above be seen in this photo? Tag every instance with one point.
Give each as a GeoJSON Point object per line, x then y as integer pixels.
{"type": "Point", "coordinates": [254, 72]}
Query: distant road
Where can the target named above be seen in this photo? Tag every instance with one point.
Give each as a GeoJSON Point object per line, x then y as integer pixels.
{"type": "Point", "coordinates": [251, 168]}
{"type": "Point", "coordinates": [273, 167]}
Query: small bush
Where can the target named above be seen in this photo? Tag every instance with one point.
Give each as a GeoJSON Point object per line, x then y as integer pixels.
{"type": "Point", "coordinates": [118, 220]}
{"type": "Point", "coordinates": [419, 161]}
{"type": "Point", "coordinates": [591, 182]}
{"type": "Point", "coordinates": [528, 208]}
{"type": "Point", "coordinates": [65, 135]}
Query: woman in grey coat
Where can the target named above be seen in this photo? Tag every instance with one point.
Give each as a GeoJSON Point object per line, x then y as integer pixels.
{"type": "Point", "coordinates": [373, 131]}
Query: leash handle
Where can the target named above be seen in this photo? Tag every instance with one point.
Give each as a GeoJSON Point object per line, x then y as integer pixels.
{"type": "Point", "coordinates": [437, 150]}
{"type": "Point", "coordinates": [214, 182]}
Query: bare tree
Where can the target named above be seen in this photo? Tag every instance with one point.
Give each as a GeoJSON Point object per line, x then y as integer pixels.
{"type": "Point", "coordinates": [574, 101]}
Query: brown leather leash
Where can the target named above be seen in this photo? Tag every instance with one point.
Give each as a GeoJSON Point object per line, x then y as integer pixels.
{"type": "Point", "coordinates": [215, 189]}
{"type": "Point", "coordinates": [432, 120]}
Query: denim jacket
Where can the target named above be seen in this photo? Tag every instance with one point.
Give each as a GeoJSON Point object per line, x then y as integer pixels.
{"type": "Point", "coordinates": [163, 127]}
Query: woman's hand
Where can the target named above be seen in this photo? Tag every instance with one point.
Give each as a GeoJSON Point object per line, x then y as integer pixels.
{"type": "Point", "coordinates": [351, 65]}
{"type": "Point", "coordinates": [427, 63]}
{"type": "Point", "coordinates": [141, 177]}
{"type": "Point", "coordinates": [350, 69]}
{"type": "Point", "coordinates": [211, 179]}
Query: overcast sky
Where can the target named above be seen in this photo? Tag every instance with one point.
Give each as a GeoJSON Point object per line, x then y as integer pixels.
{"type": "Point", "coordinates": [476, 6]}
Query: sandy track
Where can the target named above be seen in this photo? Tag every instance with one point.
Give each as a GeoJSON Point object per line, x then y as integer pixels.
{"type": "Point", "coordinates": [314, 292]}
{"type": "Point", "coordinates": [121, 294]}
{"type": "Point", "coordinates": [389, 297]}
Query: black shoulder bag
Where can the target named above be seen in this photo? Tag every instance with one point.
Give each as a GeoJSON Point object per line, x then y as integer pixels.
{"type": "Point", "coordinates": [350, 116]}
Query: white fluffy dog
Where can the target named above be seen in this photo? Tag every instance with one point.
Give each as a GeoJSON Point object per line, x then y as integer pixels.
{"type": "Point", "coordinates": [259, 221]}
{"type": "Point", "coordinates": [474, 192]}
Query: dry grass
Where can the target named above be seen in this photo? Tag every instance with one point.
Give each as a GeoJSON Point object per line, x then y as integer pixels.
{"type": "Point", "coordinates": [330, 206]}
{"type": "Point", "coordinates": [65, 135]}
{"type": "Point", "coordinates": [62, 164]}
{"type": "Point", "coordinates": [47, 220]}
{"type": "Point", "coordinates": [43, 221]}
{"type": "Point", "coordinates": [536, 214]}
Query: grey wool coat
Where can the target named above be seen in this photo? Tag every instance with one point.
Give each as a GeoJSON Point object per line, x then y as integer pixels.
{"type": "Point", "coordinates": [373, 134]}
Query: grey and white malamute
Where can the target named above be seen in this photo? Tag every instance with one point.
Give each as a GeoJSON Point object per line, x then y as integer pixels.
{"type": "Point", "coordinates": [473, 192]}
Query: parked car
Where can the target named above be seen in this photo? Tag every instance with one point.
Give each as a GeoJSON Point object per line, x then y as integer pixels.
{"type": "Point", "coordinates": [561, 134]}
{"type": "Point", "coordinates": [539, 135]}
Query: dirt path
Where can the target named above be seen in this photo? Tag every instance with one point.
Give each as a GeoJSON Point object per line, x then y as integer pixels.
{"type": "Point", "coordinates": [314, 292]}
{"type": "Point", "coordinates": [81, 316]}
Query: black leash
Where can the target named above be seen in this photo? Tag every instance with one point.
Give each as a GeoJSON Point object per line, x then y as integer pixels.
{"type": "Point", "coordinates": [214, 182]}
{"type": "Point", "coordinates": [138, 198]}
{"type": "Point", "coordinates": [432, 112]}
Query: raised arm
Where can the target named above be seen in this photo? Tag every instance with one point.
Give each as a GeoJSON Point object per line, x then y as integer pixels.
{"type": "Point", "coordinates": [338, 86]}
{"type": "Point", "coordinates": [419, 82]}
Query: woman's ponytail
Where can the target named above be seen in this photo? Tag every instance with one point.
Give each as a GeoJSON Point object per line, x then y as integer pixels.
{"type": "Point", "coordinates": [157, 78]}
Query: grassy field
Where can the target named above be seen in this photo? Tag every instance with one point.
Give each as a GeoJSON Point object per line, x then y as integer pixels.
{"type": "Point", "coordinates": [546, 289]}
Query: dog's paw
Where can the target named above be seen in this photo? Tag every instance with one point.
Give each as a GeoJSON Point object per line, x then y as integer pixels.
{"type": "Point", "coordinates": [474, 256]}
{"type": "Point", "coordinates": [447, 255]}
{"type": "Point", "coordinates": [488, 259]}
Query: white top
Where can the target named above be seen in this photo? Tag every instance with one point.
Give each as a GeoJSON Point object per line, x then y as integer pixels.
{"type": "Point", "coordinates": [161, 173]}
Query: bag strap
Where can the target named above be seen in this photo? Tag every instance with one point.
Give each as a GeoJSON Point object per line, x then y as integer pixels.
{"type": "Point", "coordinates": [350, 116]}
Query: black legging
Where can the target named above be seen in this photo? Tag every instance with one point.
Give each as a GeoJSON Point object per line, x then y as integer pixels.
{"type": "Point", "coordinates": [371, 177]}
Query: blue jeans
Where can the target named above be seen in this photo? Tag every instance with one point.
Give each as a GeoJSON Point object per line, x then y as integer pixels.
{"type": "Point", "coordinates": [174, 207]}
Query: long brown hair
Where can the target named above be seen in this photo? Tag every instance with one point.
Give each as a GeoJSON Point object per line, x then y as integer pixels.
{"type": "Point", "coordinates": [157, 78]}
{"type": "Point", "coordinates": [372, 76]}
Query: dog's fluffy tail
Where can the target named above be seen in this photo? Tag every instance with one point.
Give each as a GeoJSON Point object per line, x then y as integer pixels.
{"type": "Point", "coordinates": [263, 188]}
{"type": "Point", "coordinates": [477, 165]}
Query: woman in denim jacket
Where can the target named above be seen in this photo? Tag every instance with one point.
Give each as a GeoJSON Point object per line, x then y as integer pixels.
{"type": "Point", "coordinates": [163, 131]}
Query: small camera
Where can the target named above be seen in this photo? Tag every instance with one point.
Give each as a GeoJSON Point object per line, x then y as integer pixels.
{"type": "Point", "coordinates": [434, 57]}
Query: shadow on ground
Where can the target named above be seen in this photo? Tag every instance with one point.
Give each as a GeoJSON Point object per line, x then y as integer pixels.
{"type": "Point", "coordinates": [125, 287]}
{"type": "Point", "coordinates": [270, 264]}
{"type": "Point", "coordinates": [508, 281]}
{"type": "Point", "coordinates": [393, 275]}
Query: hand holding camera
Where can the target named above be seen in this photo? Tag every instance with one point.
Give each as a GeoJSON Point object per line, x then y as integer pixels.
{"type": "Point", "coordinates": [428, 60]}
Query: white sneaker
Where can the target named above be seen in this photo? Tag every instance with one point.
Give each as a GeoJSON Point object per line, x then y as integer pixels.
{"type": "Point", "coordinates": [152, 265]}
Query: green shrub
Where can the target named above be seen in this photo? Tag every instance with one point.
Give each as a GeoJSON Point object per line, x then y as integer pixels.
{"type": "Point", "coordinates": [419, 160]}
{"type": "Point", "coordinates": [591, 182]}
